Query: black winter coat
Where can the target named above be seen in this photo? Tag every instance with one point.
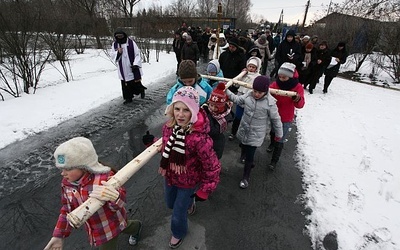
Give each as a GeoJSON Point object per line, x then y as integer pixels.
{"type": "Point", "coordinates": [325, 57]}
{"type": "Point", "coordinates": [177, 45]}
{"type": "Point", "coordinates": [342, 55]}
{"type": "Point", "coordinates": [190, 52]}
{"type": "Point", "coordinates": [286, 48]}
{"type": "Point", "coordinates": [313, 62]}
{"type": "Point", "coordinates": [232, 63]}
{"type": "Point", "coordinates": [215, 134]}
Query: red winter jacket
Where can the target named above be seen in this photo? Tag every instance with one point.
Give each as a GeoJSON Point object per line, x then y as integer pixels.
{"type": "Point", "coordinates": [286, 105]}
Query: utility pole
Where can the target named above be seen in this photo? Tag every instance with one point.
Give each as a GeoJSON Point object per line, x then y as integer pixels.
{"type": "Point", "coordinates": [280, 23]}
{"type": "Point", "coordinates": [219, 15]}
{"type": "Point", "coordinates": [305, 15]}
{"type": "Point", "coordinates": [329, 7]}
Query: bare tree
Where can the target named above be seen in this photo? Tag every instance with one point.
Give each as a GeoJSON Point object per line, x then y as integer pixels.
{"type": "Point", "coordinates": [384, 10]}
{"type": "Point", "coordinates": [207, 8]}
{"type": "Point", "coordinates": [26, 55]}
{"type": "Point", "coordinates": [239, 9]}
{"type": "Point", "coordinates": [91, 8]}
{"type": "Point", "coordinates": [11, 88]}
{"type": "Point", "coordinates": [390, 51]}
{"type": "Point", "coordinates": [182, 8]}
{"type": "Point", "coordinates": [59, 38]}
{"type": "Point", "coordinates": [126, 6]}
{"type": "Point", "coordinates": [377, 31]}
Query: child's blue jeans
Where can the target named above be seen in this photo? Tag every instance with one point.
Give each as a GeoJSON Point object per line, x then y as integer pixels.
{"type": "Point", "coordinates": [178, 199]}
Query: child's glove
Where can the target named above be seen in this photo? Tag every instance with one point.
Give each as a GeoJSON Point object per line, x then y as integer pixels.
{"type": "Point", "coordinates": [277, 138]}
{"type": "Point", "coordinates": [104, 192]}
{"type": "Point", "coordinates": [196, 197]}
{"type": "Point", "coordinates": [296, 97]}
{"type": "Point", "coordinates": [54, 243]}
{"type": "Point", "coordinates": [148, 139]}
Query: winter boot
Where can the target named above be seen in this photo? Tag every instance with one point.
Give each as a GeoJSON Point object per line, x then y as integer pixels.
{"type": "Point", "coordinates": [242, 155]}
{"type": "Point", "coordinates": [244, 183]}
{"type": "Point", "coordinates": [275, 155]}
{"type": "Point", "coordinates": [271, 146]}
{"type": "Point", "coordinates": [272, 143]}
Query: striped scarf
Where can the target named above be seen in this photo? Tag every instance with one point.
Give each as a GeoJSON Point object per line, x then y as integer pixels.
{"type": "Point", "coordinates": [173, 155]}
{"type": "Point", "coordinates": [223, 124]}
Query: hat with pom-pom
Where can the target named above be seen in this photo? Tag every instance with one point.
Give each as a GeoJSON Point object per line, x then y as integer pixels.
{"type": "Point", "coordinates": [218, 97]}
{"type": "Point", "coordinates": [190, 97]}
{"type": "Point", "coordinates": [309, 46]}
{"type": "Point", "coordinates": [79, 153]}
{"type": "Point", "coordinates": [261, 83]}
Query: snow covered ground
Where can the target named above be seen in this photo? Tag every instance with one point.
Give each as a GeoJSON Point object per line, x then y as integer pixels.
{"type": "Point", "coordinates": [347, 143]}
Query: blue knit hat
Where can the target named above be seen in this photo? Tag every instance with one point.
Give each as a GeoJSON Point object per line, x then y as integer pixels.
{"type": "Point", "coordinates": [211, 68]}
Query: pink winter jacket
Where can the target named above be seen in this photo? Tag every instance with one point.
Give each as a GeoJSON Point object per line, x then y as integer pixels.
{"type": "Point", "coordinates": [202, 164]}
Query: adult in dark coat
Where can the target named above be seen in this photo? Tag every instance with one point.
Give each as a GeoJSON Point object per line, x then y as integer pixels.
{"type": "Point", "coordinates": [323, 59]}
{"type": "Point", "coordinates": [270, 40]}
{"type": "Point", "coordinates": [232, 61]}
{"type": "Point", "coordinates": [205, 38]}
{"type": "Point", "coordinates": [254, 51]}
{"type": "Point", "coordinates": [289, 50]}
{"type": "Point", "coordinates": [244, 41]}
{"type": "Point", "coordinates": [339, 54]}
{"type": "Point", "coordinates": [309, 60]}
{"type": "Point", "coordinates": [177, 45]}
{"type": "Point", "coordinates": [190, 50]}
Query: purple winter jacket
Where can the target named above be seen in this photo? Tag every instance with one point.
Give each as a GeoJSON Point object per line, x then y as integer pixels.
{"type": "Point", "coordinates": [202, 164]}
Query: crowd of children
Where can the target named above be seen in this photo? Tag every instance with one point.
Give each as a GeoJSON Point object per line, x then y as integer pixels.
{"type": "Point", "coordinates": [199, 110]}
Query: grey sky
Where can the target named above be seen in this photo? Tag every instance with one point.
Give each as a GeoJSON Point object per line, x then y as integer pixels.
{"type": "Point", "coordinates": [293, 10]}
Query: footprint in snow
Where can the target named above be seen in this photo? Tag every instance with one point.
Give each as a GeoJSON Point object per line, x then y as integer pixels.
{"type": "Point", "coordinates": [355, 198]}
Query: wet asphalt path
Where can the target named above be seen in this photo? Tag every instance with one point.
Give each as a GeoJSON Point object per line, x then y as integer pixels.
{"type": "Point", "coordinates": [267, 215]}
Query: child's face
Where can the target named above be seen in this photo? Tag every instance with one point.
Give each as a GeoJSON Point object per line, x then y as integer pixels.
{"type": "Point", "coordinates": [189, 81]}
{"type": "Point", "coordinates": [258, 94]}
{"type": "Point", "coordinates": [72, 174]}
{"type": "Point", "coordinates": [214, 108]}
{"type": "Point", "coordinates": [283, 78]}
{"type": "Point", "coordinates": [182, 114]}
{"type": "Point", "coordinates": [212, 73]}
{"type": "Point", "coordinates": [251, 68]}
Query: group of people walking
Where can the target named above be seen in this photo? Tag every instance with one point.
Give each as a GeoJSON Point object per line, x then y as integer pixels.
{"type": "Point", "coordinates": [312, 59]}
{"type": "Point", "coordinates": [199, 111]}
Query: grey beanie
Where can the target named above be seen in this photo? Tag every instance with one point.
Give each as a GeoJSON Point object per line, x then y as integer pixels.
{"type": "Point", "coordinates": [287, 69]}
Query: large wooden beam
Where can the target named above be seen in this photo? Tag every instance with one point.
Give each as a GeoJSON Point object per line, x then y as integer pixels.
{"type": "Point", "coordinates": [82, 213]}
{"type": "Point", "coordinates": [248, 85]}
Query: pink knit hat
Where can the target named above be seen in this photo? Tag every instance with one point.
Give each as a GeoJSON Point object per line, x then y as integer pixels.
{"type": "Point", "coordinates": [190, 97]}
